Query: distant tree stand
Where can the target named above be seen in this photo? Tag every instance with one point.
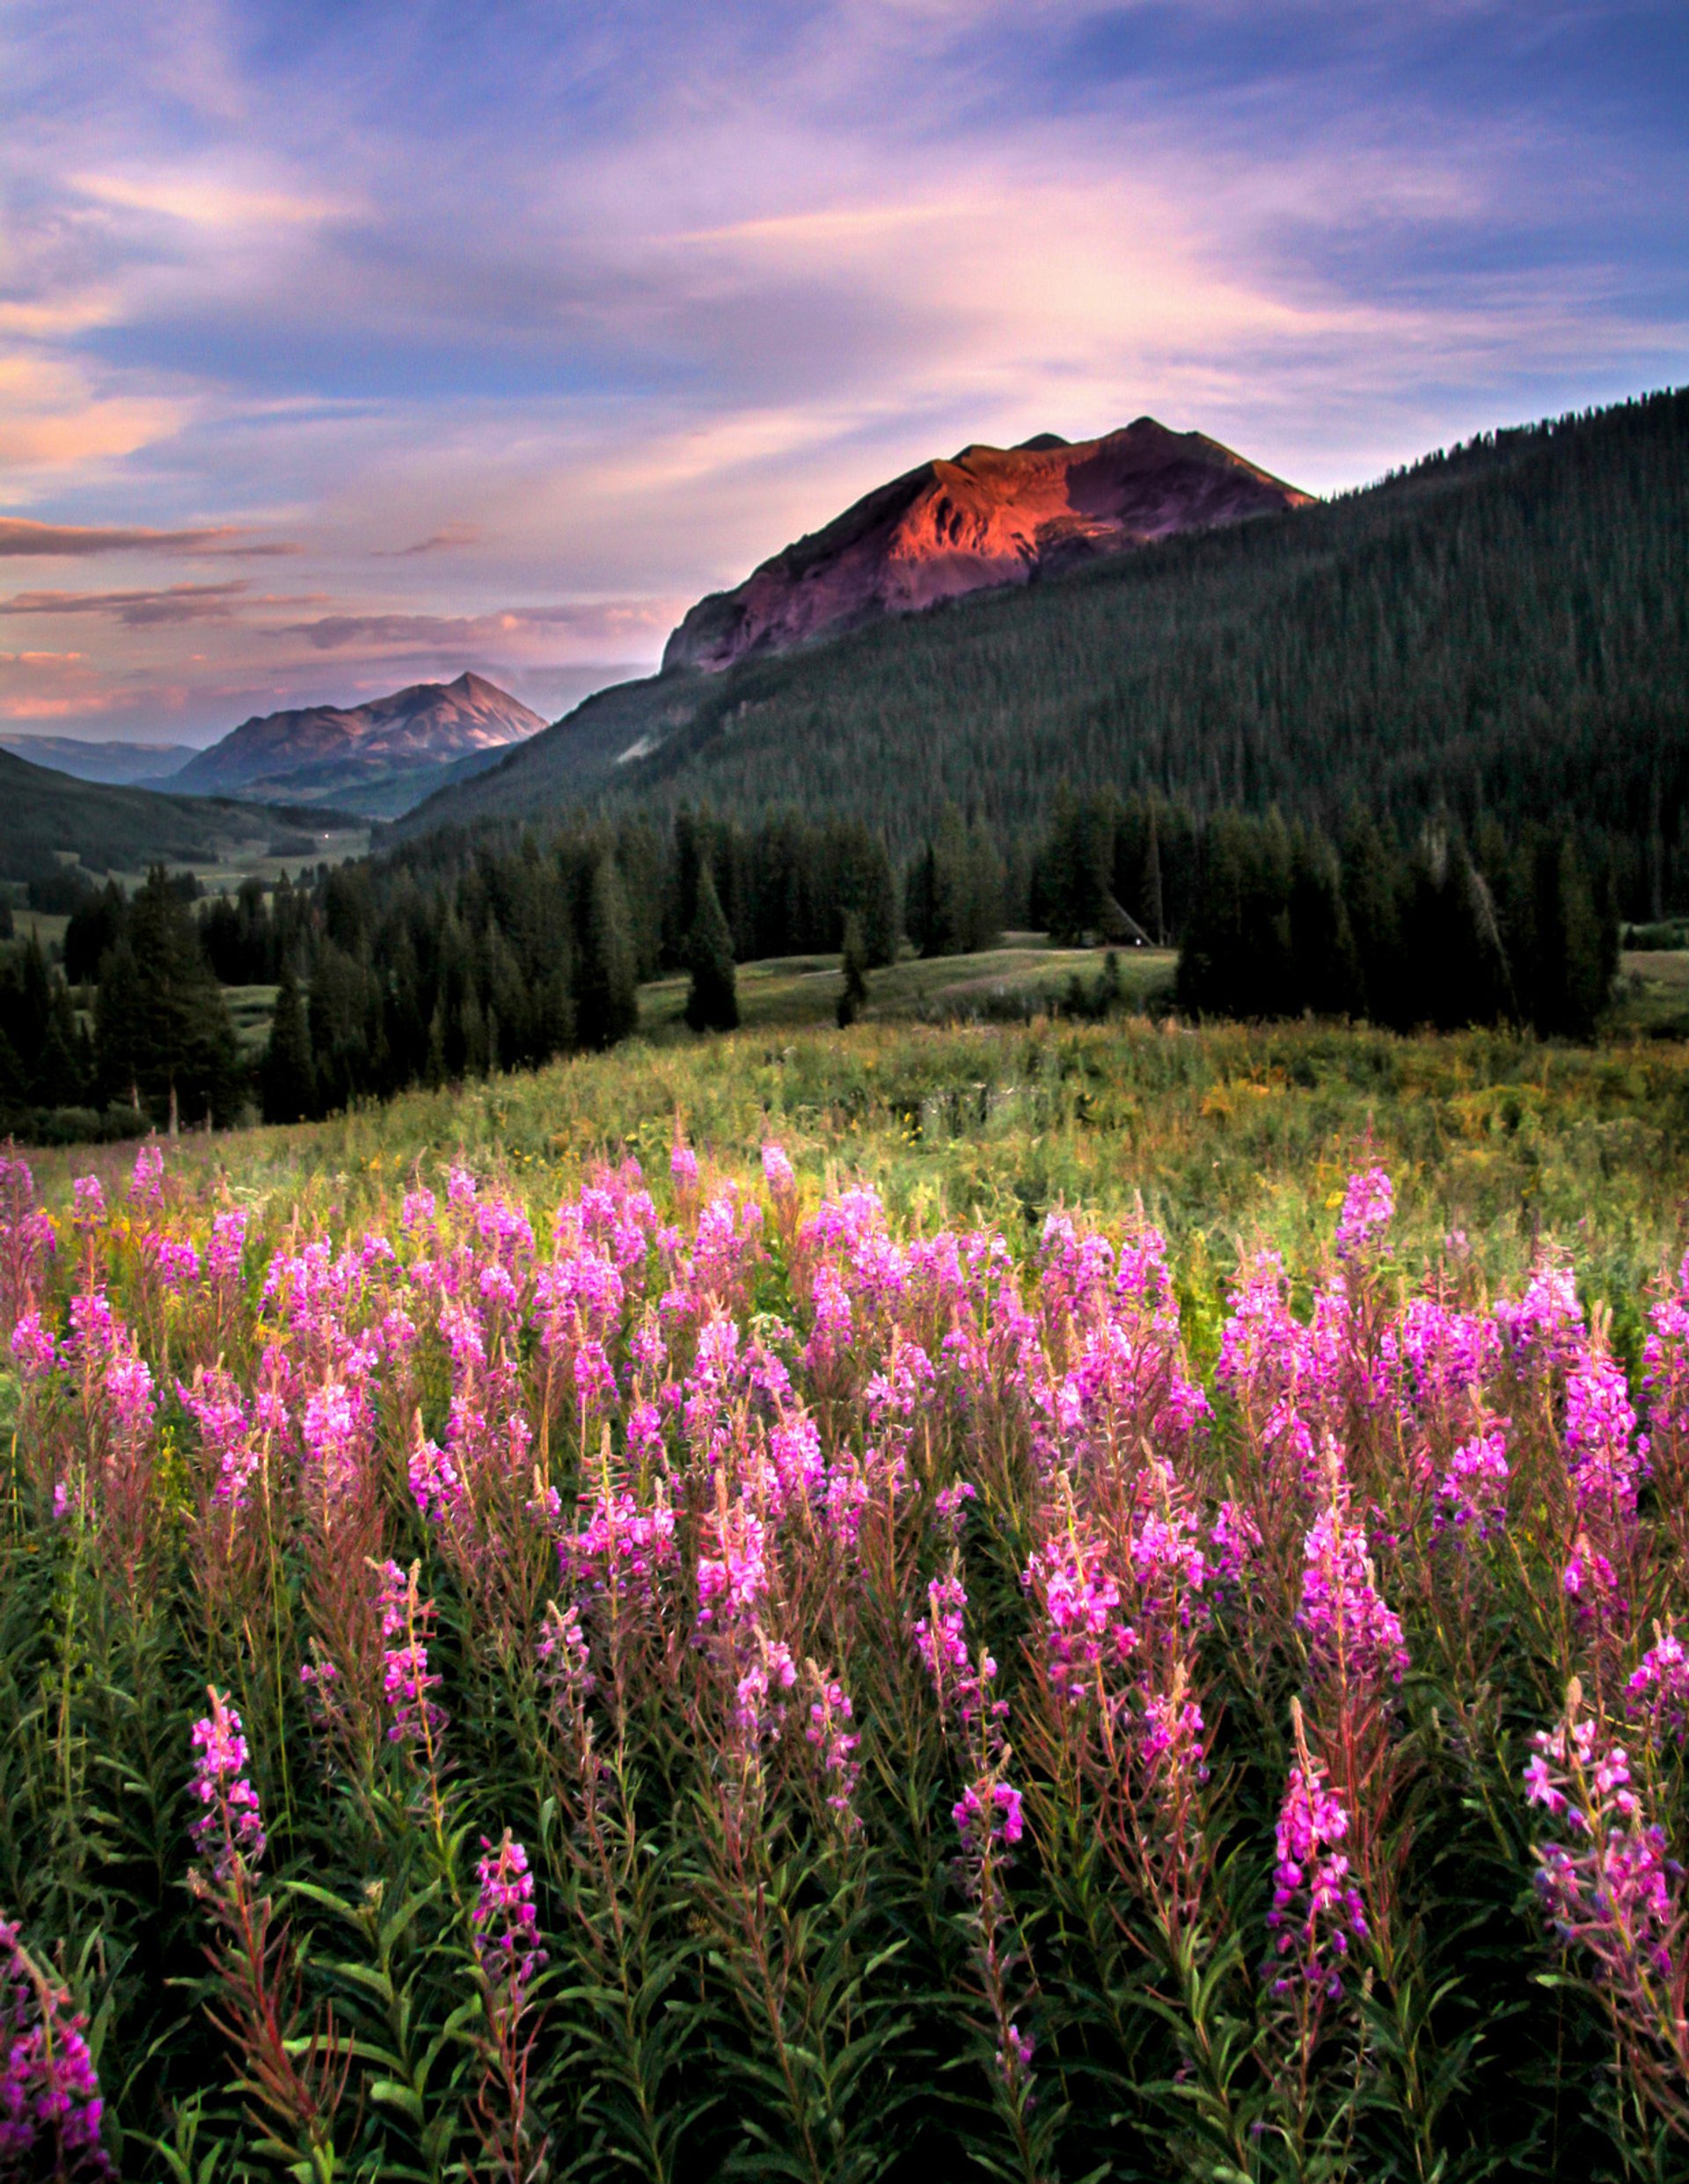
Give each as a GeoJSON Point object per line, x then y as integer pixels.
{"type": "Point", "coordinates": [713, 1002]}
{"type": "Point", "coordinates": [853, 961]}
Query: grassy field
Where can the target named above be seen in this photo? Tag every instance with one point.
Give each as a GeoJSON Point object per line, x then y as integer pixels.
{"type": "Point", "coordinates": [1230, 1137]}
{"type": "Point", "coordinates": [977, 2019]}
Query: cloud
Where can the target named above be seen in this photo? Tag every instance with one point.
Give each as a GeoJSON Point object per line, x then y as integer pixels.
{"type": "Point", "coordinates": [20, 538]}
{"type": "Point", "coordinates": [626, 298]}
{"type": "Point", "coordinates": [205, 200]}
{"type": "Point", "coordinates": [627, 620]}
{"type": "Point", "coordinates": [138, 609]}
{"type": "Point", "coordinates": [449, 536]}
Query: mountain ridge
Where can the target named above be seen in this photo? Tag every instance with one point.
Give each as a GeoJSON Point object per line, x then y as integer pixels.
{"type": "Point", "coordinates": [984, 518]}
{"type": "Point", "coordinates": [1393, 645]}
{"type": "Point", "coordinates": [364, 757]}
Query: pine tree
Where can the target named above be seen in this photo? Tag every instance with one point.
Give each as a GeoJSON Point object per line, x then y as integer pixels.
{"type": "Point", "coordinates": [57, 1079]}
{"type": "Point", "coordinates": [164, 1034]}
{"type": "Point", "coordinates": [853, 961]}
{"type": "Point", "coordinates": [286, 1078]}
{"type": "Point", "coordinates": [607, 994]}
{"type": "Point", "coordinates": [1326, 972]}
{"type": "Point", "coordinates": [713, 1002]}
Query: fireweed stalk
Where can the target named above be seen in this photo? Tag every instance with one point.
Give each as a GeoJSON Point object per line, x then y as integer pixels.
{"type": "Point", "coordinates": [1318, 1932]}
{"type": "Point", "coordinates": [1612, 1896]}
{"type": "Point", "coordinates": [505, 1939]}
{"type": "Point", "coordinates": [615, 1881]}
{"type": "Point", "coordinates": [296, 2081]}
{"type": "Point", "coordinates": [989, 1824]}
{"type": "Point", "coordinates": [50, 2102]}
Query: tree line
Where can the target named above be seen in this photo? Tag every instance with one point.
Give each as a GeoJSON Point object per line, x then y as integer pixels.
{"type": "Point", "coordinates": [462, 955]}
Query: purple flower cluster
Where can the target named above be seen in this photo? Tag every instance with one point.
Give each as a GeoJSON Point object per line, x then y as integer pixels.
{"type": "Point", "coordinates": [1369, 1207]}
{"type": "Point", "coordinates": [503, 1923]}
{"type": "Point", "coordinates": [1317, 1911]}
{"type": "Point", "coordinates": [1350, 1630]}
{"type": "Point", "coordinates": [1081, 1603]}
{"type": "Point", "coordinates": [988, 1812]}
{"type": "Point", "coordinates": [831, 1730]}
{"type": "Point", "coordinates": [1658, 1691]}
{"type": "Point", "coordinates": [1471, 1494]}
{"type": "Point", "coordinates": [958, 1681]}
{"type": "Point", "coordinates": [415, 1718]}
{"type": "Point", "coordinates": [229, 1826]}
{"type": "Point", "coordinates": [1612, 1892]}
{"type": "Point", "coordinates": [50, 2102]}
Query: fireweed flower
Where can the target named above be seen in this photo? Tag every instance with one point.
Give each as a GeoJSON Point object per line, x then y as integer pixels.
{"type": "Point", "coordinates": [830, 1730]}
{"type": "Point", "coordinates": [1658, 1692]}
{"type": "Point", "coordinates": [50, 2102]}
{"type": "Point", "coordinates": [503, 1923]}
{"type": "Point", "coordinates": [1348, 1628]}
{"type": "Point", "coordinates": [89, 1202]}
{"type": "Point", "coordinates": [1471, 1494]}
{"type": "Point", "coordinates": [406, 1682]}
{"type": "Point", "coordinates": [229, 1827]}
{"type": "Point", "coordinates": [34, 1348]}
{"type": "Point", "coordinates": [988, 1812]}
{"type": "Point", "coordinates": [1604, 1455]}
{"type": "Point", "coordinates": [1611, 1893]}
{"type": "Point", "coordinates": [147, 1177]}
{"type": "Point", "coordinates": [1369, 1204]}
{"type": "Point", "coordinates": [1080, 1599]}
{"type": "Point", "coordinates": [435, 1486]}
{"type": "Point", "coordinates": [563, 1654]}
{"type": "Point", "coordinates": [940, 1640]}
{"type": "Point", "coordinates": [950, 1504]}
{"type": "Point", "coordinates": [1317, 1911]}
{"type": "Point", "coordinates": [758, 1704]}
{"type": "Point", "coordinates": [1234, 1542]}
{"type": "Point", "coordinates": [1544, 1331]}
{"type": "Point", "coordinates": [777, 1171]}
{"type": "Point", "coordinates": [222, 1253]}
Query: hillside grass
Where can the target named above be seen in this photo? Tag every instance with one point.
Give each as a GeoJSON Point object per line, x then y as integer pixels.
{"type": "Point", "coordinates": [1233, 1138]}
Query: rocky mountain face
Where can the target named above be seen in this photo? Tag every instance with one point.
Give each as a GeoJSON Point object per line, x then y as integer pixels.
{"type": "Point", "coordinates": [377, 757]}
{"type": "Point", "coordinates": [991, 516]}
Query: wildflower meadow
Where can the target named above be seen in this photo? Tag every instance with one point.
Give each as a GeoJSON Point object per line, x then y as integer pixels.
{"type": "Point", "coordinates": [697, 1675]}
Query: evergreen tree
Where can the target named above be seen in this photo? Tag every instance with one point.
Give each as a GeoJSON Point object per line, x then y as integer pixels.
{"type": "Point", "coordinates": [713, 1002]}
{"type": "Point", "coordinates": [1326, 975]}
{"type": "Point", "coordinates": [853, 961]}
{"type": "Point", "coordinates": [607, 994]}
{"type": "Point", "coordinates": [288, 1080]}
{"type": "Point", "coordinates": [57, 1078]}
{"type": "Point", "coordinates": [165, 1027]}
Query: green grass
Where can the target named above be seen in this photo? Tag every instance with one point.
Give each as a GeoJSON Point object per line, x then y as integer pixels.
{"type": "Point", "coordinates": [1015, 979]}
{"type": "Point", "coordinates": [1233, 1138]}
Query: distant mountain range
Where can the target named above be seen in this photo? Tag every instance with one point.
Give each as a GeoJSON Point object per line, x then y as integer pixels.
{"type": "Point", "coordinates": [120, 764]}
{"type": "Point", "coordinates": [49, 819]}
{"type": "Point", "coordinates": [378, 758]}
{"type": "Point", "coordinates": [989, 517]}
{"type": "Point", "coordinates": [1501, 629]}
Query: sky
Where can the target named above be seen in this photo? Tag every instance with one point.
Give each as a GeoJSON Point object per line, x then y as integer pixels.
{"type": "Point", "coordinates": [351, 343]}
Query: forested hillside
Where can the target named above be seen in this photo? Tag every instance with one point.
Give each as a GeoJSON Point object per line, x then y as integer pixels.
{"type": "Point", "coordinates": [46, 817]}
{"type": "Point", "coordinates": [1501, 631]}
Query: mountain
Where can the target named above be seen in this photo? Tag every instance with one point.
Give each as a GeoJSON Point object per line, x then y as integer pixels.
{"type": "Point", "coordinates": [378, 758]}
{"type": "Point", "coordinates": [1501, 629]}
{"type": "Point", "coordinates": [49, 819]}
{"type": "Point", "coordinates": [121, 765]}
{"type": "Point", "coordinates": [990, 517]}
